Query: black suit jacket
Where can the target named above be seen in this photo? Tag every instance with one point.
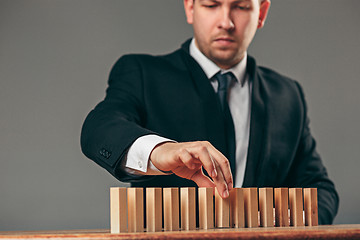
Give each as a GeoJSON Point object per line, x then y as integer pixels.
{"type": "Point", "coordinates": [171, 96]}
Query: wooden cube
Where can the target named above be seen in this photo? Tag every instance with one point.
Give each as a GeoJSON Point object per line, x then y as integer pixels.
{"type": "Point", "coordinates": [187, 208]}
{"type": "Point", "coordinates": [237, 210]}
{"type": "Point", "coordinates": [135, 209]}
{"type": "Point", "coordinates": [311, 206]}
{"type": "Point", "coordinates": [281, 207]}
{"type": "Point", "coordinates": [118, 210]}
{"type": "Point", "coordinates": [206, 208]}
{"type": "Point", "coordinates": [266, 206]}
{"type": "Point", "coordinates": [251, 207]}
{"type": "Point", "coordinates": [171, 209]}
{"type": "Point", "coordinates": [153, 209]}
{"type": "Point", "coordinates": [296, 207]}
{"type": "Point", "coordinates": [222, 211]}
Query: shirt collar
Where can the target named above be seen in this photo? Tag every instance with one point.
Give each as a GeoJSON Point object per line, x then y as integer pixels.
{"type": "Point", "coordinates": [210, 68]}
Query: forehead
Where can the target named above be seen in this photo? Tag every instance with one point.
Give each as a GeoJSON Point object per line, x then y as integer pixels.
{"type": "Point", "coordinates": [228, 1]}
{"type": "Point", "coordinates": [231, 2]}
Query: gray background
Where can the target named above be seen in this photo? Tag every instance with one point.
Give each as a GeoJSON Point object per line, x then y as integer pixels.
{"type": "Point", "coordinates": [55, 57]}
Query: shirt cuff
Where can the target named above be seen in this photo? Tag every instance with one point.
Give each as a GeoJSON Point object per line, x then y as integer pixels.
{"type": "Point", "coordinates": [138, 157]}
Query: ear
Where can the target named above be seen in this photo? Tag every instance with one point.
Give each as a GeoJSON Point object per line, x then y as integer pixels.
{"type": "Point", "coordinates": [264, 9]}
{"type": "Point", "coordinates": [189, 9]}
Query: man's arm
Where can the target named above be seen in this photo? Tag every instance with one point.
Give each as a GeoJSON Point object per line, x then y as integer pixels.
{"type": "Point", "coordinates": [118, 121]}
{"type": "Point", "coordinates": [115, 123]}
{"type": "Point", "coordinates": [309, 171]}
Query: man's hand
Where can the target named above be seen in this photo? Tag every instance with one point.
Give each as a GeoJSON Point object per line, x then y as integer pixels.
{"type": "Point", "coordinates": [186, 159]}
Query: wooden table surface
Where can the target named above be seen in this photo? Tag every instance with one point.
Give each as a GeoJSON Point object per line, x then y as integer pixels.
{"type": "Point", "coordinates": [319, 232]}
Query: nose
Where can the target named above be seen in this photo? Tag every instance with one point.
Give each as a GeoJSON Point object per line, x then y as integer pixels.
{"type": "Point", "coordinates": [226, 21]}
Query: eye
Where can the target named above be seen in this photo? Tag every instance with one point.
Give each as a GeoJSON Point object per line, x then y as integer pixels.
{"type": "Point", "coordinates": [243, 6]}
{"type": "Point", "coordinates": [211, 5]}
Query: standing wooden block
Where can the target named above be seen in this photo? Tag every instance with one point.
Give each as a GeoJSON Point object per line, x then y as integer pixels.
{"type": "Point", "coordinates": [310, 206]}
{"type": "Point", "coordinates": [296, 207]}
{"type": "Point", "coordinates": [251, 207]}
{"type": "Point", "coordinates": [153, 209]}
{"type": "Point", "coordinates": [188, 217]}
{"type": "Point", "coordinates": [266, 205]}
{"type": "Point", "coordinates": [237, 215]}
{"type": "Point", "coordinates": [281, 207]}
{"type": "Point", "coordinates": [206, 208]}
{"type": "Point", "coordinates": [135, 209]}
{"type": "Point", "coordinates": [171, 209]}
{"type": "Point", "coordinates": [222, 211]}
{"type": "Point", "coordinates": [118, 210]}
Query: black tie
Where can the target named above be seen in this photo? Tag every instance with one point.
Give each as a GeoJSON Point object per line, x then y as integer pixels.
{"type": "Point", "coordinates": [224, 83]}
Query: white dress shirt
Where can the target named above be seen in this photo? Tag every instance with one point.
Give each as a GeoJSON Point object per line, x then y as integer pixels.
{"type": "Point", "coordinates": [137, 160]}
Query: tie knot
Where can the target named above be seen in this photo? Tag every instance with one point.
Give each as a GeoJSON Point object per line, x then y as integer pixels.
{"type": "Point", "coordinates": [224, 80]}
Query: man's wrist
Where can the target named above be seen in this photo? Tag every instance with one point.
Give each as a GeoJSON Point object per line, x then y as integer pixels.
{"type": "Point", "coordinates": [137, 161]}
{"type": "Point", "coordinates": [153, 170]}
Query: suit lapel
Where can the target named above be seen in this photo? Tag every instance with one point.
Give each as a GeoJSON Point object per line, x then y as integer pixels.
{"type": "Point", "coordinates": [257, 128]}
{"type": "Point", "coordinates": [213, 120]}
{"type": "Point", "coordinates": [214, 123]}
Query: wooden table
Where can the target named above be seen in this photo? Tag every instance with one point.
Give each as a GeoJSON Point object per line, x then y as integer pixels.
{"type": "Point", "coordinates": [319, 232]}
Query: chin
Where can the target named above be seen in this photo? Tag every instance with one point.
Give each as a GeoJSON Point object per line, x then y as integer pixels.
{"type": "Point", "coordinates": [225, 60]}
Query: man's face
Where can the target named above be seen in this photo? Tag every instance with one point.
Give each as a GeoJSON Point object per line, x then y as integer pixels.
{"type": "Point", "coordinates": [224, 29]}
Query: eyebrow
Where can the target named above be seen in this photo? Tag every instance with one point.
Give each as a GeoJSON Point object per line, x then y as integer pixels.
{"type": "Point", "coordinates": [238, 1]}
{"type": "Point", "coordinates": [217, 1]}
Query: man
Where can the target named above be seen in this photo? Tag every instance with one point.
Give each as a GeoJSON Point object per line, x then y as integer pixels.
{"type": "Point", "coordinates": [164, 119]}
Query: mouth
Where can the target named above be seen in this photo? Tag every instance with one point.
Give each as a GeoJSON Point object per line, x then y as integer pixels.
{"type": "Point", "coordinates": [224, 40]}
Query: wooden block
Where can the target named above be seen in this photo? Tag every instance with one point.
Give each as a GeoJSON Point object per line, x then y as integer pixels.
{"type": "Point", "coordinates": [118, 210]}
{"type": "Point", "coordinates": [296, 207]}
{"type": "Point", "coordinates": [222, 211]}
{"type": "Point", "coordinates": [251, 207]}
{"type": "Point", "coordinates": [171, 209]}
{"type": "Point", "coordinates": [266, 206]}
{"type": "Point", "coordinates": [206, 208]}
{"type": "Point", "coordinates": [188, 217]}
{"type": "Point", "coordinates": [281, 207]}
{"type": "Point", "coordinates": [237, 215]}
{"type": "Point", "coordinates": [135, 209]}
{"type": "Point", "coordinates": [311, 206]}
{"type": "Point", "coordinates": [153, 209]}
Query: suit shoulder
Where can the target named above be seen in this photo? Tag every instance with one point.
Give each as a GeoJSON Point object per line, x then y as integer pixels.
{"type": "Point", "coordinates": [280, 88]}
{"type": "Point", "coordinates": [146, 60]}
{"type": "Point", "coordinates": [131, 60]}
{"type": "Point", "coordinates": [273, 76]}
{"type": "Point", "coordinates": [275, 80]}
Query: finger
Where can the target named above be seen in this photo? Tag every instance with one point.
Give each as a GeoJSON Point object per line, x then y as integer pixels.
{"type": "Point", "coordinates": [201, 152]}
{"type": "Point", "coordinates": [187, 159]}
{"type": "Point", "coordinates": [201, 180]}
{"type": "Point", "coordinates": [220, 183]}
{"type": "Point", "coordinates": [224, 165]}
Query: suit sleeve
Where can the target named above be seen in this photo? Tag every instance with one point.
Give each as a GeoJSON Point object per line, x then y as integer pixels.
{"type": "Point", "coordinates": [309, 171]}
{"type": "Point", "coordinates": [116, 122]}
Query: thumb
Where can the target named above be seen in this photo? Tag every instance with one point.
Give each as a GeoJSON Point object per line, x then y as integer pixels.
{"type": "Point", "coordinates": [201, 180]}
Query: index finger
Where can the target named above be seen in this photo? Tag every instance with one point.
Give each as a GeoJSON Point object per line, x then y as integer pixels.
{"type": "Point", "coordinates": [224, 165]}
{"type": "Point", "coordinates": [201, 151]}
